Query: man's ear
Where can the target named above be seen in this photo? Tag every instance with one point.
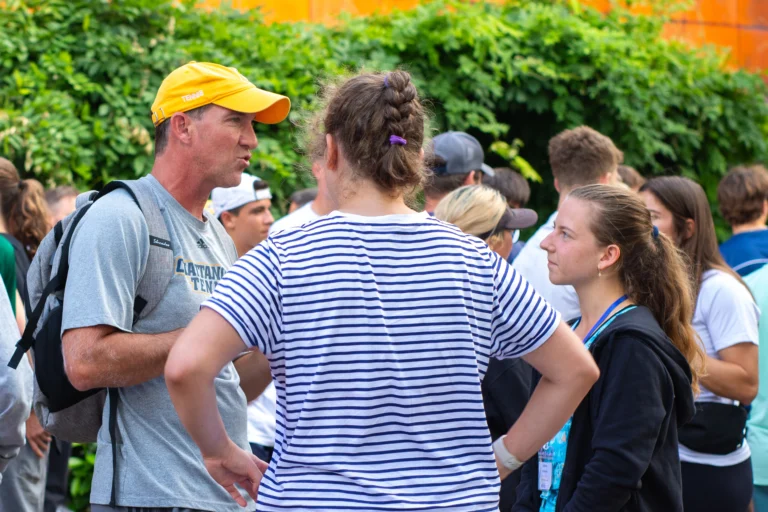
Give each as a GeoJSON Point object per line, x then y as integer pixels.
{"type": "Point", "coordinates": [557, 185]}
{"type": "Point", "coordinates": [473, 178]}
{"type": "Point", "coordinates": [227, 220]}
{"type": "Point", "coordinates": [181, 127]}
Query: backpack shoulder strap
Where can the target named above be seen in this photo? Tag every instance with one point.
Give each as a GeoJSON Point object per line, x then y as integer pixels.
{"type": "Point", "coordinates": [159, 269]}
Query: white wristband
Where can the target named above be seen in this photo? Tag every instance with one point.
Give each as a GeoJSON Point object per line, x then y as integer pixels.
{"type": "Point", "coordinates": [507, 460]}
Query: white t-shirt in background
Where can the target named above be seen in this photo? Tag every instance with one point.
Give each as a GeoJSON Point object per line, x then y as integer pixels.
{"type": "Point", "coordinates": [261, 418]}
{"type": "Point", "coordinates": [725, 315]}
{"type": "Point", "coordinates": [297, 218]}
{"type": "Point", "coordinates": [531, 263]}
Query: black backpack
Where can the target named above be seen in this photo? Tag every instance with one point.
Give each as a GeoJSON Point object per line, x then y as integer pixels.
{"type": "Point", "coordinates": [65, 412]}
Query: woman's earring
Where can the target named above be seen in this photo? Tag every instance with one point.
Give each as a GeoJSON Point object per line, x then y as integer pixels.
{"type": "Point", "coordinates": [599, 273]}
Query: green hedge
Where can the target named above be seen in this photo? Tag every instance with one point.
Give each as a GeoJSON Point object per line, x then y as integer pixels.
{"type": "Point", "coordinates": [77, 78]}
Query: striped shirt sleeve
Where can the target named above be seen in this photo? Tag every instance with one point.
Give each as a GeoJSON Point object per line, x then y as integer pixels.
{"type": "Point", "coordinates": [248, 298]}
{"type": "Point", "coordinates": [522, 320]}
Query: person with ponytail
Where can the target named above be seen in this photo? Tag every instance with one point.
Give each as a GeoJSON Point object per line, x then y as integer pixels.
{"type": "Point", "coordinates": [378, 323]}
{"type": "Point", "coordinates": [619, 452]}
{"type": "Point", "coordinates": [25, 218]}
{"type": "Point", "coordinates": [716, 465]}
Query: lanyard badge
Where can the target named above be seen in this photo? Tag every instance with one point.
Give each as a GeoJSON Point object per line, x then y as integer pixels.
{"type": "Point", "coordinates": [546, 460]}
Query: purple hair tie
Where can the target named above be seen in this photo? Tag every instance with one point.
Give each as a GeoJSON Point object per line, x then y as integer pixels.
{"type": "Point", "coordinates": [386, 80]}
{"type": "Point", "coordinates": [395, 140]}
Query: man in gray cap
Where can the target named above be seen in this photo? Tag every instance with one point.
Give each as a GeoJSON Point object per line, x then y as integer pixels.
{"type": "Point", "coordinates": [457, 160]}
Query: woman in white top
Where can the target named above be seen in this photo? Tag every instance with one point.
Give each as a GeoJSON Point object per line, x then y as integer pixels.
{"type": "Point", "coordinates": [716, 466]}
{"type": "Point", "coordinates": [378, 323]}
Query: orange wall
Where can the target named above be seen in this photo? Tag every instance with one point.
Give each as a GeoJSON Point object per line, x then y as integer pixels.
{"type": "Point", "coordinates": [741, 25]}
{"type": "Point", "coordinates": [315, 10]}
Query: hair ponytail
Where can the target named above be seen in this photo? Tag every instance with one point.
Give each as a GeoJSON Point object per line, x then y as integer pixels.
{"type": "Point", "coordinates": [651, 268]}
{"type": "Point", "coordinates": [23, 207]}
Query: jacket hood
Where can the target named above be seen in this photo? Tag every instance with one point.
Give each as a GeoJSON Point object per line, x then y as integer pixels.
{"type": "Point", "coordinates": [676, 364]}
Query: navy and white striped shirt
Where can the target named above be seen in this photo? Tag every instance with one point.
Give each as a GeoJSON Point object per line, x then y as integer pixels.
{"type": "Point", "coordinates": [378, 331]}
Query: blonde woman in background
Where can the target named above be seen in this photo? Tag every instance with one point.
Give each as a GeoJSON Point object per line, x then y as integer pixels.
{"type": "Point", "coordinates": [482, 211]}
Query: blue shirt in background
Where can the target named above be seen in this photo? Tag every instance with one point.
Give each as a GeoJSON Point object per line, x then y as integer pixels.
{"type": "Point", "coordinates": [757, 433]}
{"type": "Point", "coordinates": [516, 248]}
{"type": "Point", "coordinates": [746, 252]}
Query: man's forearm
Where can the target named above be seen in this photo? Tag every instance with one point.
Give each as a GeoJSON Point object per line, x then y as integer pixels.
{"type": "Point", "coordinates": [254, 372]}
{"type": "Point", "coordinates": [116, 359]}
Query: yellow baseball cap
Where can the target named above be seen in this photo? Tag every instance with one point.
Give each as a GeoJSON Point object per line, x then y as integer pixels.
{"type": "Point", "coordinates": [198, 84]}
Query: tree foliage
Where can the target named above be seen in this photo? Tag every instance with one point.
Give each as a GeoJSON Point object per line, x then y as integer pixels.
{"type": "Point", "coordinates": [77, 78]}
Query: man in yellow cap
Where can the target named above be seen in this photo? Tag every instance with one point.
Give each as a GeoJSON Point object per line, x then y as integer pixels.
{"type": "Point", "coordinates": [204, 135]}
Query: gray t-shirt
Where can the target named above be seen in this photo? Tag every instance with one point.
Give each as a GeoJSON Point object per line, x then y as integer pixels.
{"type": "Point", "coordinates": [159, 465]}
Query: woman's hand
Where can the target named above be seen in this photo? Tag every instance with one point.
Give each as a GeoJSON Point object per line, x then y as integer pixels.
{"type": "Point", "coordinates": [38, 439]}
{"type": "Point", "coordinates": [236, 466]}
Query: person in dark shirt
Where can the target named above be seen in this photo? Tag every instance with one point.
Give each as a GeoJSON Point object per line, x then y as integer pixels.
{"type": "Point", "coordinates": [743, 198]}
{"type": "Point", "coordinates": [619, 451]}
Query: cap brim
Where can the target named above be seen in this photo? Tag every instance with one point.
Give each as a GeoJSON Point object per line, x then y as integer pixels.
{"type": "Point", "coordinates": [518, 218]}
{"type": "Point", "coordinates": [270, 108]}
{"type": "Point", "coordinates": [487, 169]}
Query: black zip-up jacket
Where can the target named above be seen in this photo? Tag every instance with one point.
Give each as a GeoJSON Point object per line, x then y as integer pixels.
{"type": "Point", "coordinates": [622, 450]}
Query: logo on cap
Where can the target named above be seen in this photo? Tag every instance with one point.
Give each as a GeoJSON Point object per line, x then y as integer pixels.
{"type": "Point", "coordinates": [193, 96]}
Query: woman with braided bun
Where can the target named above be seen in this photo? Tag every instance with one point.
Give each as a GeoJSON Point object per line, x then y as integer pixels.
{"type": "Point", "coordinates": [378, 323]}
{"type": "Point", "coordinates": [619, 451]}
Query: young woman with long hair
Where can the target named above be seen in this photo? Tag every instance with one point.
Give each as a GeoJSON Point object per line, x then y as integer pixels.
{"type": "Point", "coordinates": [378, 323]}
{"type": "Point", "coordinates": [620, 450]}
{"type": "Point", "coordinates": [717, 471]}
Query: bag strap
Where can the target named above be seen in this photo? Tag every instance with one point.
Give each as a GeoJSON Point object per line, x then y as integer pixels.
{"type": "Point", "coordinates": [113, 398]}
{"type": "Point", "coordinates": [158, 270]}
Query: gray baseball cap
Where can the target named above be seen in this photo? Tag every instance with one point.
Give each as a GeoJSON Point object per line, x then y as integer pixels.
{"type": "Point", "coordinates": [462, 153]}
